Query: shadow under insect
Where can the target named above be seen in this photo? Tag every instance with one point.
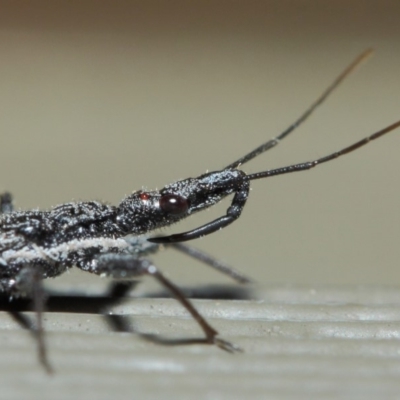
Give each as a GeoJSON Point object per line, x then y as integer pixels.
{"type": "Point", "coordinates": [117, 293]}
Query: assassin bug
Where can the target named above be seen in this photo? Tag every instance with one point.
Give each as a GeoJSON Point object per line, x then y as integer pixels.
{"type": "Point", "coordinates": [106, 240]}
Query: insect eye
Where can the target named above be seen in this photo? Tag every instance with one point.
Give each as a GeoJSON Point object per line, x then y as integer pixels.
{"type": "Point", "coordinates": [144, 196]}
{"type": "Point", "coordinates": [174, 204]}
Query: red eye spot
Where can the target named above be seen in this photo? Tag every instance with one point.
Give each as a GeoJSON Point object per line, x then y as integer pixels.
{"type": "Point", "coordinates": [174, 204]}
{"type": "Point", "coordinates": [144, 196]}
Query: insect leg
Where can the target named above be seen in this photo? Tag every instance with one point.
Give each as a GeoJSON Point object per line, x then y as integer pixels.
{"type": "Point", "coordinates": [127, 266]}
{"type": "Point", "coordinates": [210, 261]}
{"type": "Point", "coordinates": [232, 214]}
{"type": "Point", "coordinates": [29, 283]}
{"type": "Point", "coordinates": [6, 205]}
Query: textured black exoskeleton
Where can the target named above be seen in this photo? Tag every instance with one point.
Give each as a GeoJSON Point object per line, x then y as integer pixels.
{"type": "Point", "coordinates": [112, 240]}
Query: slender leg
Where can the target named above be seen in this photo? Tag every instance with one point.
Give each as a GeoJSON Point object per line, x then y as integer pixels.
{"type": "Point", "coordinates": [29, 284]}
{"type": "Point", "coordinates": [210, 261]}
{"type": "Point", "coordinates": [39, 300]}
{"type": "Point", "coordinates": [232, 214]}
{"type": "Point", "coordinates": [124, 266]}
{"type": "Point", "coordinates": [6, 205]}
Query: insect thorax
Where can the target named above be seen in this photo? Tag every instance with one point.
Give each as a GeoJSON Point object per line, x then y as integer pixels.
{"type": "Point", "coordinates": [69, 234]}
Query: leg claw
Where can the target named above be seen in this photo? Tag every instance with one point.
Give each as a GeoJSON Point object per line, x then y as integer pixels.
{"type": "Point", "coordinates": [225, 345]}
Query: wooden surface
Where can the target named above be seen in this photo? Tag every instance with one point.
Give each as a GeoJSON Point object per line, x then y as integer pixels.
{"type": "Point", "coordinates": [298, 343]}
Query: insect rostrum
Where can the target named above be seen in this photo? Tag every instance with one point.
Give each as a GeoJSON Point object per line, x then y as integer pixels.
{"type": "Point", "coordinates": [112, 240]}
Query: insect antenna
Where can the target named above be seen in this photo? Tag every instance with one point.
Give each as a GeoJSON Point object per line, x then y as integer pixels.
{"type": "Point", "coordinates": [311, 164]}
{"type": "Point", "coordinates": [276, 140]}
{"type": "Point", "coordinates": [239, 184]}
{"type": "Point", "coordinates": [240, 198]}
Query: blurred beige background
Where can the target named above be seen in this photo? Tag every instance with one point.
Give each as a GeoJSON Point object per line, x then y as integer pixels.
{"type": "Point", "coordinates": [101, 98]}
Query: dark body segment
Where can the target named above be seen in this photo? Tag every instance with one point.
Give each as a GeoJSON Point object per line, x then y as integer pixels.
{"type": "Point", "coordinates": [55, 240]}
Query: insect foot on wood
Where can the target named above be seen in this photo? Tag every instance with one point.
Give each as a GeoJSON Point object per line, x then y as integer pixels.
{"type": "Point", "coordinates": [113, 240]}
